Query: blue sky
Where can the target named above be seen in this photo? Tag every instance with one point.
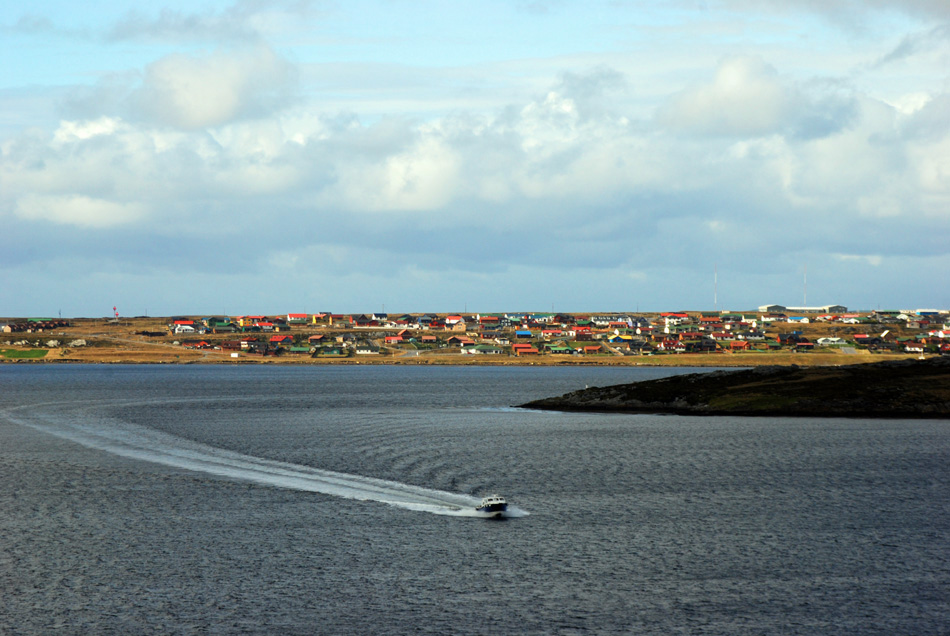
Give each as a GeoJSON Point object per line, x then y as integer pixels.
{"type": "Point", "coordinates": [269, 156]}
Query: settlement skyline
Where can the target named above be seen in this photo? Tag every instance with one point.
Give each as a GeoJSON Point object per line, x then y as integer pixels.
{"type": "Point", "coordinates": [204, 157]}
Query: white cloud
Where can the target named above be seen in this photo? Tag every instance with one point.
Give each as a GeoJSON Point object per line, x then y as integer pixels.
{"type": "Point", "coordinates": [745, 98]}
{"type": "Point", "coordinates": [77, 210]}
{"type": "Point", "coordinates": [848, 10]}
{"type": "Point", "coordinates": [422, 177]}
{"type": "Point", "coordinates": [191, 92]}
{"type": "Point", "coordinates": [242, 20]}
{"type": "Point", "coordinates": [874, 260]}
{"type": "Point", "coordinates": [71, 131]}
{"type": "Point", "coordinates": [748, 98]}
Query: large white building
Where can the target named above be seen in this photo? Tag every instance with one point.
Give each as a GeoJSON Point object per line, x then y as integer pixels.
{"type": "Point", "coordinates": [780, 309]}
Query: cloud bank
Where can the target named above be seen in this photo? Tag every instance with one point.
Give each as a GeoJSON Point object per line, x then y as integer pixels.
{"type": "Point", "coordinates": [211, 179]}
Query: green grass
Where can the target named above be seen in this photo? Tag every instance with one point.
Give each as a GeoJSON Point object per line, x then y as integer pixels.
{"type": "Point", "coordinates": [17, 354]}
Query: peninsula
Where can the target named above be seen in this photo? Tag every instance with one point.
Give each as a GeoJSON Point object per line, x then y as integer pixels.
{"type": "Point", "coordinates": [892, 389]}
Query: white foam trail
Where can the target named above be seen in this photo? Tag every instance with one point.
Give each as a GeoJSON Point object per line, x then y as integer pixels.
{"type": "Point", "coordinates": [142, 443]}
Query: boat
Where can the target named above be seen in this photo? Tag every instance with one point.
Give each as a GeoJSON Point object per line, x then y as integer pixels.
{"type": "Point", "coordinates": [493, 506]}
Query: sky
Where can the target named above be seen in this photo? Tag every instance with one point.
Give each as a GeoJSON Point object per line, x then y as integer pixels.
{"type": "Point", "coordinates": [270, 156]}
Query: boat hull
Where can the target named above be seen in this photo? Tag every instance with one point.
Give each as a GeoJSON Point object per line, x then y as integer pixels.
{"type": "Point", "coordinates": [495, 510]}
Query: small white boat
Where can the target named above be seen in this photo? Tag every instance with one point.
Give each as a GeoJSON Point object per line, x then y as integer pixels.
{"type": "Point", "coordinates": [493, 506]}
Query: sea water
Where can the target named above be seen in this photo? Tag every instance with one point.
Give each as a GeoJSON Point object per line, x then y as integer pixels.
{"type": "Point", "coordinates": [340, 500]}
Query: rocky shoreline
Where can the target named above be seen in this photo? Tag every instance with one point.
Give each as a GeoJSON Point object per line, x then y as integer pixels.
{"type": "Point", "coordinates": [893, 389]}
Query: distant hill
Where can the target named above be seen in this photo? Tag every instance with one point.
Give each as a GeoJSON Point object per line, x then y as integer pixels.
{"type": "Point", "coordinates": [896, 389]}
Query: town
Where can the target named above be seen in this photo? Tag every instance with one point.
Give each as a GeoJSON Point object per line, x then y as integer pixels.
{"type": "Point", "coordinates": [327, 336]}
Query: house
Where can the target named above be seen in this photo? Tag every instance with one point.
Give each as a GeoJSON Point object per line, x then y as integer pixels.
{"type": "Point", "coordinates": [366, 349]}
{"type": "Point", "coordinates": [790, 339]}
{"type": "Point", "coordinates": [831, 342]}
{"type": "Point", "coordinates": [710, 323]}
{"type": "Point", "coordinates": [671, 345]}
{"type": "Point", "coordinates": [281, 340]}
{"type": "Point", "coordinates": [671, 319]}
{"type": "Point", "coordinates": [337, 319]}
{"type": "Point", "coordinates": [592, 349]}
{"type": "Point", "coordinates": [487, 333]}
{"type": "Point", "coordinates": [364, 321]}
{"type": "Point", "coordinates": [390, 340]}
{"type": "Point", "coordinates": [249, 342]}
{"type": "Point", "coordinates": [247, 321]}
{"type": "Point", "coordinates": [482, 350]}
{"type": "Point", "coordinates": [329, 351]}
{"type": "Point", "coordinates": [260, 348]}
{"type": "Point", "coordinates": [524, 351]}
{"type": "Point", "coordinates": [702, 345]}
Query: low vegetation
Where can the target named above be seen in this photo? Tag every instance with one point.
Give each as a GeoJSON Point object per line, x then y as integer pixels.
{"type": "Point", "coordinates": [908, 388]}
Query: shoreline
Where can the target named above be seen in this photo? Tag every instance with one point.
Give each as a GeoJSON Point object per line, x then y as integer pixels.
{"type": "Point", "coordinates": [722, 360]}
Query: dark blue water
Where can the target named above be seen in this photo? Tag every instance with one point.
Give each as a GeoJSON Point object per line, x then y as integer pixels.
{"type": "Point", "coordinates": [335, 500]}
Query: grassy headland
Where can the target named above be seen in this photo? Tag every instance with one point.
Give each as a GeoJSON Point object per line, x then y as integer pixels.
{"type": "Point", "coordinates": [892, 389]}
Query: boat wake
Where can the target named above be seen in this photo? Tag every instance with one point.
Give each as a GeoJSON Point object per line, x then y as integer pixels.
{"type": "Point", "coordinates": [138, 442]}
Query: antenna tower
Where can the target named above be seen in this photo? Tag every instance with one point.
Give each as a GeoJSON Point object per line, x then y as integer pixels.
{"type": "Point", "coordinates": [805, 292]}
